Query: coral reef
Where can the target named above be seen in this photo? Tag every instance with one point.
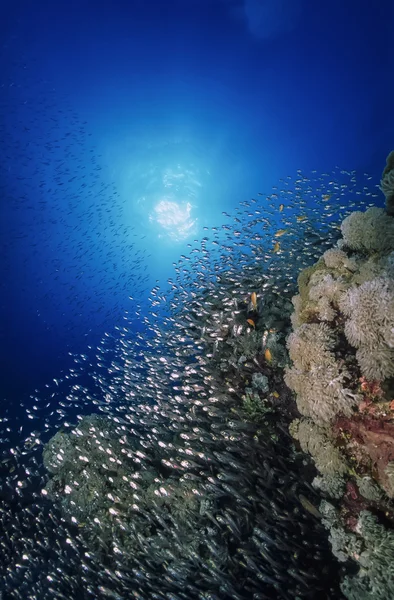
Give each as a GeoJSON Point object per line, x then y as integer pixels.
{"type": "Point", "coordinates": [342, 373]}
{"type": "Point", "coordinates": [387, 183]}
{"type": "Point", "coordinates": [370, 545]}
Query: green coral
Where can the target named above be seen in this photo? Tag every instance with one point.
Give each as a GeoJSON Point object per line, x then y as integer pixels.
{"type": "Point", "coordinates": [330, 485]}
{"type": "Point", "coordinates": [370, 545]}
{"type": "Point", "coordinates": [255, 407]}
{"type": "Point", "coordinates": [375, 579]}
{"type": "Point", "coordinates": [344, 544]}
{"type": "Point", "coordinates": [245, 346]}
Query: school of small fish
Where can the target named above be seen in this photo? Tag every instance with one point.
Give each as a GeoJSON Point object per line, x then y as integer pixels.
{"type": "Point", "coordinates": [137, 474]}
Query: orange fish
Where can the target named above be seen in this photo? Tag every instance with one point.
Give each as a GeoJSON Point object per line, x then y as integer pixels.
{"type": "Point", "coordinates": [276, 247]}
{"type": "Point", "coordinates": [253, 299]}
{"type": "Point", "coordinates": [301, 218]}
{"type": "Point", "coordinates": [280, 232]}
{"type": "Point", "coordinates": [251, 322]}
{"type": "Point", "coordinates": [326, 197]}
{"type": "Point", "coordinates": [281, 207]}
{"type": "Point", "coordinates": [268, 355]}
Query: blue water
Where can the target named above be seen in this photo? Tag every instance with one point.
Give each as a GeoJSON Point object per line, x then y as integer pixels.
{"type": "Point", "coordinates": [127, 127]}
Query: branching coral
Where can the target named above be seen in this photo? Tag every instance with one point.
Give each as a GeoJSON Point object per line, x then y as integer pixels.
{"type": "Point", "coordinates": [246, 345]}
{"type": "Point", "coordinates": [255, 407]}
{"type": "Point", "coordinates": [370, 545]}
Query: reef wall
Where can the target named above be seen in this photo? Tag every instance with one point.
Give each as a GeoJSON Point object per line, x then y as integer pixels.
{"type": "Point", "coordinates": [342, 372]}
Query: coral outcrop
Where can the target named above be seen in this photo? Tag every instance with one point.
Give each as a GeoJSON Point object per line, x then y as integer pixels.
{"type": "Point", "coordinates": [342, 373]}
{"type": "Point", "coordinates": [387, 183]}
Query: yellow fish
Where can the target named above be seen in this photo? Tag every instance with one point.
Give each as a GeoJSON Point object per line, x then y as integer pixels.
{"type": "Point", "coordinates": [326, 197]}
{"type": "Point", "coordinates": [280, 232]}
{"type": "Point", "coordinates": [301, 218]}
{"type": "Point", "coordinates": [281, 207]}
{"type": "Point", "coordinates": [276, 247]}
{"type": "Point", "coordinates": [268, 355]}
{"type": "Point", "coordinates": [275, 394]}
{"type": "Point", "coordinates": [251, 322]}
{"type": "Point", "coordinates": [253, 299]}
{"type": "Point", "coordinates": [310, 507]}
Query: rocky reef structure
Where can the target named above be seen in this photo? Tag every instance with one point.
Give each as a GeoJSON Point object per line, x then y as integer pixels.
{"type": "Point", "coordinates": [387, 183]}
{"type": "Point", "coordinates": [342, 372]}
